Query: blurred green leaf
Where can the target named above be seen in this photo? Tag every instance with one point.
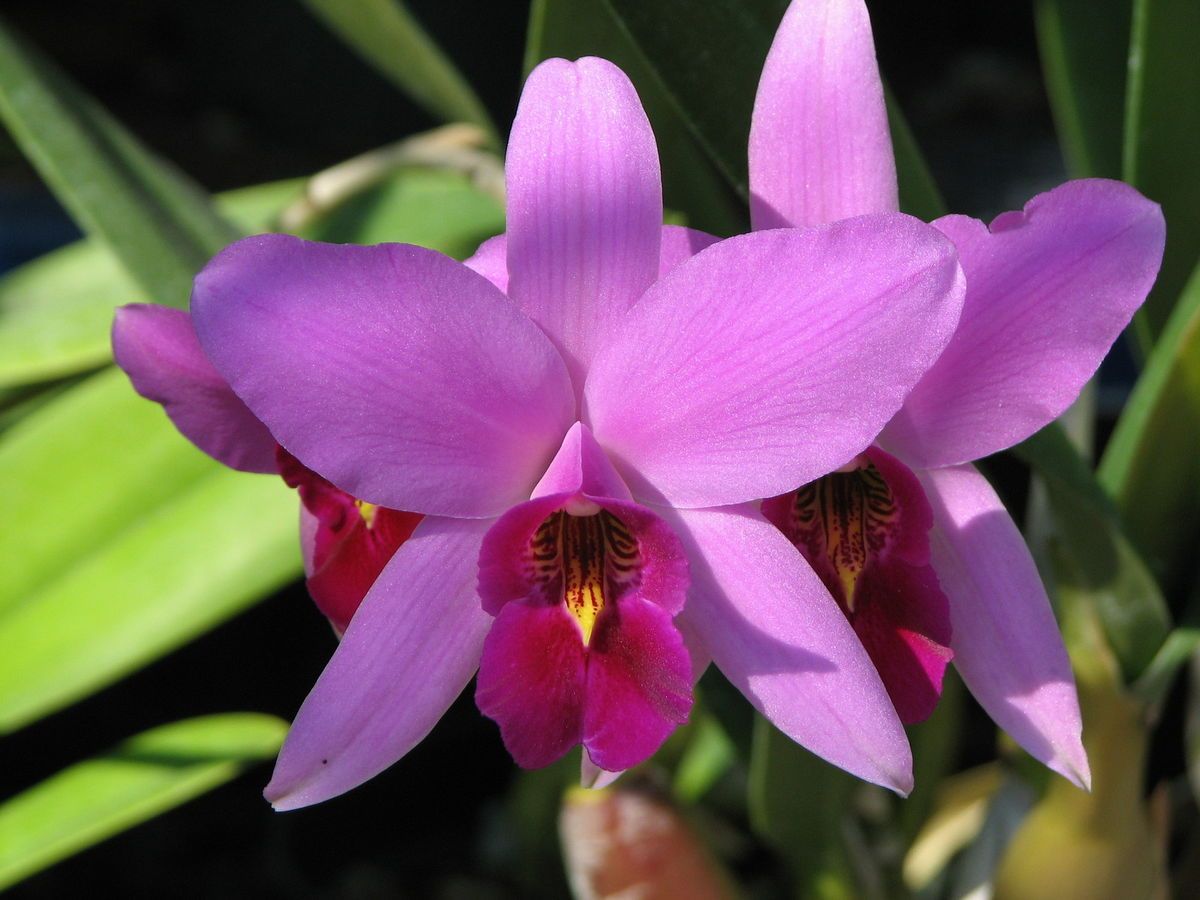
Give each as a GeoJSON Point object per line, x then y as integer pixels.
{"type": "Point", "coordinates": [1084, 47]}
{"type": "Point", "coordinates": [798, 804]}
{"type": "Point", "coordinates": [56, 311]}
{"type": "Point", "coordinates": [691, 181]}
{"type": "Point", "coordinates": [388, 36]}
{"type": "Point", "coordinates": [708, 58]}
{"type": "Point", "coordinates": [159, 225]}
{"type": "Point", "coordinates": [135, 781]}
{"type": "Point", "coordinates": [1155, 683]}
{"type": "Point", "coordinates": [430, 207]}
{"type": "Point", "coordinates": [935, 743]}
{"type": "Point", "coordinates": [1151, 465]}
{"type": "Point", "coordinates": [1162, 141]}
{"type": "Point", "coordinates": [1103, 565]}
{"type": "Point", "coordinates": [119, 542]}
{"type": "Point", "coordinates": [709, 754]}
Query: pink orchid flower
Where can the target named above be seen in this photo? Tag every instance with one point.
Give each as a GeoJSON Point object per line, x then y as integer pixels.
{"type": "Point", "coordinates": [910, 538]}
{"type": "Point", "coordinates": [585, 451]}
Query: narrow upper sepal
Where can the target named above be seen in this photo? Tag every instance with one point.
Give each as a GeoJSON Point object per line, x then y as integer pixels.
{"type": "Point", "coordinates": [820, 149]}
{"type": "Point", "coordinates": [584, 203]}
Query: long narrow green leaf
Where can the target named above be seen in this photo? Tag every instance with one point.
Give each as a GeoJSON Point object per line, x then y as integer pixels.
{"type": "Point", "coordinates": [1096, 561]}
{"type": "Point", "coordinates": [385, 34]}
{"type": "Point", "coordinates": [1162, 141]}
{"type": "Point", "coordinates": [1151, 465]}
{"type": "Point", "coordinates": [137, 780]}
{"type": "Point", "coordinates": [691, 181]}
{"type": "Point", "coordinates": [119, 542]}
{"type": "Point", "coordinates": [158, 224]}
{"type": "Point", "coordinates": [797, 804]}
{"type": "Point", "coordinates": [56, 311]}
{"type": "Point", "coordinates": [708, 58]}
{"type": "Point", "coordinates": [1084, 48]}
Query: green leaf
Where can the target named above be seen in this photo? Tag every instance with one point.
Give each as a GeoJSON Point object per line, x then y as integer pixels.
{"type": "Point", "coordinates": [158, 224]}
{"type": "Point", "coordinates": [798, 804]}
{"type": "Point", "coordinates": [120, 542]}
{"type": "Point", "coordinates": [1151, 466]}
{"type": "Point", "coordinates": [1096, 561]}
{"type": "Point", "coordinates": [709, 754]}
{"type": "Point", "coordinates": [1084, 48]}
{"type": "Point", "coordinates": [135, 781]}
{"type": "Point", "coordinates": [56, 311]}
{"type": "Point", "coordinates": [708, 58]}
{"type": "Point", "coordinates": [1162, 141]}
{"type": "Point", "coordinates": [691, 181]}
{"type": "Point", "coordinates": [386, 35]}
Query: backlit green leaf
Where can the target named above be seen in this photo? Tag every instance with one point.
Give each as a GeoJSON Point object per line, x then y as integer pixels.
{"type": "Point", "coordinates": [135, 781]}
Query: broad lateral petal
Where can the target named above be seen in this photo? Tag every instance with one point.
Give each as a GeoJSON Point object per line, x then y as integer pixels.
{"type": "Point", "coordinates": [409, 651]}
{"type": "Point", "coordinates": [158, 350]}
{"type": "Point", "coordinates": [532, 681]}
{"type": "Point", "coordinates": [1049, 290]}
{"type": "Point", "coordinates": [1006, 642]}
{"type": "Point", "coordinates": [397, 373]}
{"type": "Point", "coordinates": [491, 261]}
{"type": "Point", "coordinates": [639, 684]}
{"type": "Point", "coordinates": [772, 358]}
{"type": "Point", "coordinates": [780, 638]}
{"type": "Point", "coordinates": [820, 149]}
{"type": "Point", "coordinates": [584, 203]}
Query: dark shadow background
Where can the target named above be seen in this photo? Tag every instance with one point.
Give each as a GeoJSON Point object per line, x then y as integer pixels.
{"type": "Point", "coordinates": [242, 92]}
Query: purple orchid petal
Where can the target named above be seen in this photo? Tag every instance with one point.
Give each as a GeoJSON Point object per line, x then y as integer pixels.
{"type": "Point", "coordinates": [820, 149]}
{"type": "Point", "coordinates": [1006, 643]}
{"type": "Point", "coordinates": [584, 204]}
{"type": "Point", "coordinates": [400, 375]}
{"type": "Point", "coordinates": [158, 350]}
{"type": "Point", "coordinates": [532, 681]}
{"type": "Point", "coordinates": [680, 244]}
{"type": "Point", "coordinates": [491, 261]}
{"type": "Point", "coordinates": [409, 651]}
{"type": "Point", "coordinates": [1049, 290]}
{"type": "Point", "coordinates": [780, 638]}
{"type": "Point", "coordinates": [639, 683]}
{"type": "Point", "coordinates": [772, 358]}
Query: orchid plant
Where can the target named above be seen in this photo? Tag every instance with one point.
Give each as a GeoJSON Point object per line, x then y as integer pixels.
{"type": "Point", "coordinates": [711, 526]}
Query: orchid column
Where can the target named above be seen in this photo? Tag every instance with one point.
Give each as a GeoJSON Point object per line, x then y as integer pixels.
{"type": "Point", "coordinates": [910, 538]}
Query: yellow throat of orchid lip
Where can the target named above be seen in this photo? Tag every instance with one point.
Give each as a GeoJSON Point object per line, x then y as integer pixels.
{"type": "Point", "coordinates": [853, 510]}
{"type": "Point", "coordinates": [367, 511]}
{"type": "Point", "coordinates": [593, 554]}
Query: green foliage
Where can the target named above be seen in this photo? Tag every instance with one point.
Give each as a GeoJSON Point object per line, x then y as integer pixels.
{"type": "Point", "coordinates": [135, 781]}
{"type": "Point", "coordinates": [1084, 47]}
{"type": "Point", "coordinates": [1162, 141]}
{"type": "Point", "coordinates": [385, 34]}
{"type": "Point", "coordinates": [158, 224]}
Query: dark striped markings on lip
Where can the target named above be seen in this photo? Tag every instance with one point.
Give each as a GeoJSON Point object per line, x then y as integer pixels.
{"type": "Point", "coordinates": [587, 561]}
{"type": "Point", "coordinates": [846, 517]}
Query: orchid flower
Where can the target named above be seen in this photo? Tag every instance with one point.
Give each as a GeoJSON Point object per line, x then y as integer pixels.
{"type": "Point", "coordinates": [910, 538]}
{"type": "Point", "coordinates": [345, 543]}
{"type": "Point", "coordinates": [586, 444]}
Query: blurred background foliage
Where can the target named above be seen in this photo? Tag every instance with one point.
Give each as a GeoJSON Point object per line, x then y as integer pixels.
{"type": "Point", "coordinates": [145, 592]}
